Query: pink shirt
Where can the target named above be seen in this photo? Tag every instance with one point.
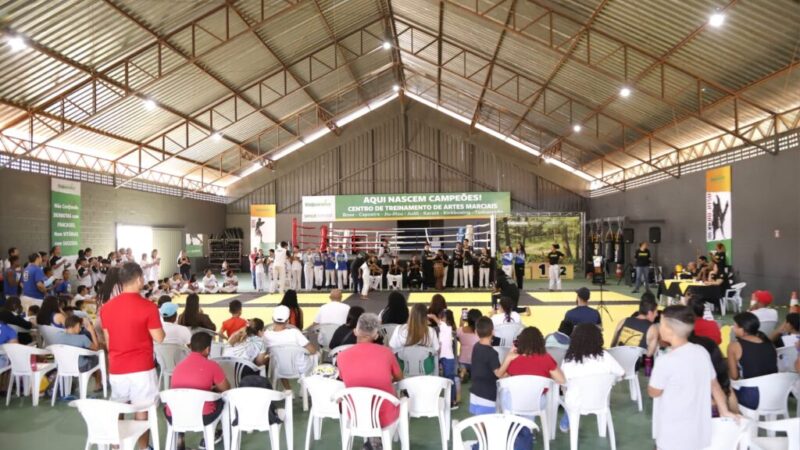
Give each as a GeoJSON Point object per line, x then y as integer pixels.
{"type": "Point", "coordinates": [197, 372]}
{"type": "Point", "coordinates": [467, 341]}
{"type": "Point", "coordinates": [382, 369]}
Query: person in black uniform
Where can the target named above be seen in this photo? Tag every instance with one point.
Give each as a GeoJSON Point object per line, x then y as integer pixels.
{"type": "Point", "coordinates": [554, 274]}
{"type": "Point", "coordinates": [519, 264]}
{"type": "Point", "coordinates": [503, 287]}
{"type": "Point", "coordinates": [440, 264]}
{"type": "Point", "coordinates": [355, 273]}
{"type": "Point", "coordinates": [458, 265]}
{"type": "Point", "coordinates": [469, 271]}
{"type": "Point", "coordinates": [414, 276]}
{"type": "Point", "coordinates": [427, 266]}
{"type": "Point", "coordinates": [720, 257]}
{"type": "Point", "coordinates": [642, 267]}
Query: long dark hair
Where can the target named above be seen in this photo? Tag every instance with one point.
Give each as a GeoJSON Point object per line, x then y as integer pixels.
{"type": "Point", "coordinates": [12, 305]}
{"type": "Point", "coordinates": [396, 310]}
{"type": "Point", "coordinates": [438, 304]}
{"type": "Point", "coordinates": [111, 284]}
{"type": "Point", "coordinates": [750, 324]}
{"type": "Point", "coordinates": [290, 301]}
{"type": "Point", "coordinates": [530, 342]}
{"type": "Point", "coordinates": [472, 318]}
{"type": "Point", "coordinates": [352, 316]}
{"type": "Point", "coordinates": [191, 312]}
{"type": "Point", "coordinates": [586, 342]}
{"type": "Point", "coordinates": [49, 307]}
{"type": "Point", "coordinates": [505, 305]}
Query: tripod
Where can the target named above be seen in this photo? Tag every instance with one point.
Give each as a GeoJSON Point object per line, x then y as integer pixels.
{"type": "Point", "coordinates": [599, 279]}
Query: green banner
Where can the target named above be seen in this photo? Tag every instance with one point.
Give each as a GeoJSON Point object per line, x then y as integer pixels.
{"type": "Point", "coordinates": [65, 215]}
{"type": "Point", "coordinates": [405, 206]}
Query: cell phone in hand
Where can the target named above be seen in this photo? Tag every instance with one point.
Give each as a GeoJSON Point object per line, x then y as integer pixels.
{"type": "Point", "coordinates": [464, 313]}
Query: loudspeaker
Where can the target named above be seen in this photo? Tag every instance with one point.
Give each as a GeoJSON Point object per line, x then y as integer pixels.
{"type": "Point", "coordinates": [627, 235]}
{"type": "Point", "coordinates": [655, 235]}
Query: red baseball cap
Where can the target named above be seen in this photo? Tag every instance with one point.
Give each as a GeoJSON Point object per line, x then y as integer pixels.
{"type": "Point", "coordinates": [763, 297]}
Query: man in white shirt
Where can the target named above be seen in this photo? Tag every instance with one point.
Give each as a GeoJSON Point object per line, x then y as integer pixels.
{"type": "Point", "coordinates": [682, 385]}
{"type": "Point", "coordinates": [333, 312]}
{"type": "Point", "coordinates": [282, 335]}
{"type": "Point", "coordinates": [173, 333]}
{"type": "Point", "coordinates": [759, 306]}
{"type": "Point", "coordinates": [279, 266]}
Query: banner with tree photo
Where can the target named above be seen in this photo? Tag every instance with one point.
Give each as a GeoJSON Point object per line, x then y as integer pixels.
{"type": "Point", "coordinates": [537, 233]}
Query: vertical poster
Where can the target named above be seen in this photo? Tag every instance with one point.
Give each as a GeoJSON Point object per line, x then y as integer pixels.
{"type": "Point", "coordinates": [65, 215]}
{"type": "Point", "coordinates": [718, 210]}
{"type": "Point", "coordinates": [262, 226]}
{"type": "Point", "coordinates": [194, 245]}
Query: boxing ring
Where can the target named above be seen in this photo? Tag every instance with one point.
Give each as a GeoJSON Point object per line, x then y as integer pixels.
{"type": "Point", "coordinates": [481, 233]}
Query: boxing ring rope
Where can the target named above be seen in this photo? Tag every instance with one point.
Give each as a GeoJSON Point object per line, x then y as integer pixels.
{"type": "Point", "coordinates": [400, 240]}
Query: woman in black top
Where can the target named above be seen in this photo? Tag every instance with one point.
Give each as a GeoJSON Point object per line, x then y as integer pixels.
{"type": "Point", "coordinates": [11, 314]}
{"type": "Point", "coordinates": [344, 334]}
{"type": "Point", "coordinates": [750, 355]}
{"type": "Point", "coordinates": [193, 316]}
{"type": "Point", "coordinates": [719, 256]}
{"type": "Point", "coordinates": [396, 310]}
{"type": "Point", "coordinates": [184, 265]}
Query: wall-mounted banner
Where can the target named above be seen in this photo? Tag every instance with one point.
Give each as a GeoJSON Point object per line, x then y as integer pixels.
{"type": "Point", "coordinates": [262, 226]}
{"type": "Point", "coordinates": [718, 210]}
{"type": "Point", "coordinates": [194, 245]}
{"type": "Point", "coordinates": [65, 215]}
{"type": "Point", "coordinates": [454, 205]}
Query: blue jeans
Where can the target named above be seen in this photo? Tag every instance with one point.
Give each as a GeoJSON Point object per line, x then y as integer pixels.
{"type": "Point", "coordinates": [641, 277]}
{"type": "Point", "coordinates": [253, 277]}
{"type": "Point", "coordinates": [449, 372]}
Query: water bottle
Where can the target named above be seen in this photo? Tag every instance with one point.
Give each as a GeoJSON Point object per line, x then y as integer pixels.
{"type": "Point", "coordinates": [648, 365]}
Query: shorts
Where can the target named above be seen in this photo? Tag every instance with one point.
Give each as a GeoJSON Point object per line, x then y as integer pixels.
{"type": "Point", "coordinates": [87, 363]}
{"type": "Point", "coordinates": [136, 387]}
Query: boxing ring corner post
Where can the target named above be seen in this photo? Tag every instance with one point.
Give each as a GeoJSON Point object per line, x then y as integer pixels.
{"type": "Point", "coordinates": [294, 232]}
{"type": "Point", "coordinates": [493, 233]}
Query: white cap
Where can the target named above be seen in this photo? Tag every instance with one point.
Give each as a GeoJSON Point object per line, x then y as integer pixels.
{"type": "Point", "coordinates": [280, 314]}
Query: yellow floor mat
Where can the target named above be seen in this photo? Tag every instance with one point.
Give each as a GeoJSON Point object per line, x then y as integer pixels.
{"type": "Point", "coordinates": [454, 297]}
{"type": "Point", "coordinates": [569, 296]}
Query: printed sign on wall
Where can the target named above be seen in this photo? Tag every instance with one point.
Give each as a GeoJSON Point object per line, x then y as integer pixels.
{"type": "Point", "coordinates": [718, 210]}
{"type": "Point", "coordinates": [262, 226]}
{"type": "Point", "coordinates": [65, 215]}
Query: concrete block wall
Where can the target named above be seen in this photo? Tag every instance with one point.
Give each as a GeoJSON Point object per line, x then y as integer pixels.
{"type": "Point", "coordinates": [25, 213]}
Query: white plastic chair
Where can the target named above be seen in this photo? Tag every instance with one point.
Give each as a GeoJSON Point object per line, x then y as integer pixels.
{"type": "Point", "coordinates": [186, 408]}
{"type": "Point", "coordinates": [413, 358]}
{"type": "Point", "coordinates": [386, 331]}
{"type": "Point", "coordinates": [322, 391]}
{"type": "Point", "coordinates": [233, 368]}
{"type": "Point", "coordinates": [734, 297]}
{"type": "Point", "coordinates": [335, 352]}
{"type": "Point", "coordinates": [168, 356]}
{"type": "Point", "coordinates": [502, 352]}
{"type": "Point", "coordinates": [218, 349]}
{"type": "Point", "coordinates": [324, 333]}
{"type": "Point", "coordinates": [104, 428]}
{"type": "Point", "coordinates": [48, 332]}
{"type": "Point", "coordinates": [493, 431]}
{"type": "Point", "coordinates": [214, 335]}
{"type": "Point", "coordinates": [429, 396]}
{"type": "Point", "coordinates": [627, 356]}
{"type": "Point", "coordinates": [250, 408]}
{"type": "Point", "coordinates": [68, 361]}
{"type": "Point", "coordinates": [789, 426]}
{"type": "Point", "coordinates": [594, 397]}
{"type": "Point", "coordinates": [507, 332]}
{"type": "Point", "coordinates": [728, 434]}
{"type": "Point", "coordinates": [773, 395]}
{"type": "Point", "coordinates": [768, 326]}
{"type": "Point", "coordinates": [521, 395]}
{"type": "Point", "coordinates": [786, 359]}
{"type": "Point", "coordinates": [359, 417]}
{"type": "Point", "coordinates": [557, 353]}
{"type": "Point", "coordinates": [22, 370]}
{"type": "Point", "coordinates": [285, 363]}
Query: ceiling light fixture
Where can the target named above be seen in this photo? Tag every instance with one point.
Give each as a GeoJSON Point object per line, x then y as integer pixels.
{"type": "Point", "coordinates": [387, 45]}
{"type": "Point", "coordinates": [149, 104]}
{"type": "Point", "coordinates": [216, 136]}
{"type": "Point", "coordinates": [716, 20]}
{"type": "Point", "coordinates": [16, 43]}
{"type": "Point", "coordinates": [396, 88]}
{"type": "Point", "coordinates": [577, 128]}
{"type": "Point", "coordinates": [625, 92]}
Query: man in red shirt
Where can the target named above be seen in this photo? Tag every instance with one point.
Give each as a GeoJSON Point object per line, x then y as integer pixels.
{"type": "Point", "coordinates": [703, 327]}
{"type": "Point", "coordinates": [198, 372]}
{"type": "Point", "coordinates": [382, 364]}
{"type": "Point", "coordinates": [130, 324]}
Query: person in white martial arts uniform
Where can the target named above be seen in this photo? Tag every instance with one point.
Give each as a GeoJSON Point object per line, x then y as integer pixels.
{"type": "Point", "coordinates": [210, 284]}
{"type": "Point", "coordinates": [508, 263]}
{"type": "Point", "coordinates": [341, 268]}
{"type": "Point", "coordinates": [155, 265]}
{"type": "Point", "coordinates": [319, 269]}
{"type": "Point", "coordinates": [554, 274]}
{"type": "Point", "coordinates": [261, 271]}
{"type": "Point", "coordinates": [394, 279]}
{"type": "Point", "coordinates": [279, 267]}
{"type": "Point", "coordinates": [364, 270]}
{"type": "Point", "coordinates": [297, 270]}
{"type": "Point", "coordinates": [230, 284]}
{"type": "Point", "coordinates": [308, 269]}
